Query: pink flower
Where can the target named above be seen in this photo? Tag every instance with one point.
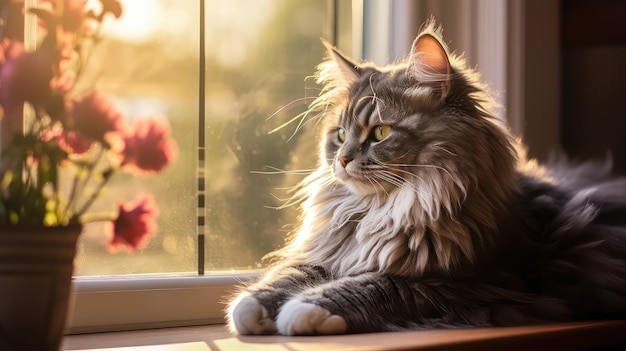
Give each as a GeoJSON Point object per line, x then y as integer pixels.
{"type": "Point", "coordinates": [135, 222]}
{"type": "Point", "coordinates": [94, 116]}
{"type": "Point", "coordinates": [10, 50]}
{"type": "Point", "coordinates": [76, 143]}
{"type": "Point", "coordinates": [69, 141]}
{"type": "Point", "coordinates": [64, 82]}
{"type": "Point", "coordinates": [149, 147]}
{"type": "Point", "coordinates": [24, 76]}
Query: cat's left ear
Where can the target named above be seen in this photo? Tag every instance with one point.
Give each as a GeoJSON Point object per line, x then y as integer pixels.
{"type": "Point", "coordinates": [348, 70]}
{"type": "Point", "coordinates": [430, 63]}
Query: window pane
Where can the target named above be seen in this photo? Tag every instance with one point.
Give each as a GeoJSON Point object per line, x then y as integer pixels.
{"type": "Point", "coordinates": [258, 54]}
{"type": "Point", "coordinates": [148, 61]}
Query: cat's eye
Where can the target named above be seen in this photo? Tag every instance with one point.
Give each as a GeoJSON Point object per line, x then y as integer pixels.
{"type": "Point", "coordinates": [381, 132]}
{"type": "Point", "coordinates": [341, 134]}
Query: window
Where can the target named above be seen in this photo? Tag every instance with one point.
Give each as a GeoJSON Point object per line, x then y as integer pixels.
{"type": "Point", "coordinates": [258, 54]}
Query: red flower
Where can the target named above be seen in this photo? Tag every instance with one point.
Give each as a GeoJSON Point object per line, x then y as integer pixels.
{"type": "Point", "coordinates": [68, 141]}
{"type": "Point", "coordinates": [94, 115]}
{"type": "Point", "coordinates": [24, 76]}
{"type": "Point", "coordinates": [135, 222]}
{"type": "Point", "coordinates": [149, 147]}
{"type": "Point", "coordinates": [64, 82]}
{"type": "Point", "coordinates": [76, 143]}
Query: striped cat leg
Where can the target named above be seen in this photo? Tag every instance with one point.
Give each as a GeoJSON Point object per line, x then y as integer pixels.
{"type": "Point", "coordinates": [346, 305]}
{"type": "Point", "coordinates": [254, 310]}
{"type": "Point", "coordinates": [359, 304]}
{"type": "Point", "coordinates": [375, 303]}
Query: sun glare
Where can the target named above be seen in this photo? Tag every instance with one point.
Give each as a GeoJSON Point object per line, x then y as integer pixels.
{"type": "Point", "coordinates": [140, 21]}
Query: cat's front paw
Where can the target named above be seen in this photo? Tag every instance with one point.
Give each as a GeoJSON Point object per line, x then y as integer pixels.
{"type": "Point", "coordinates": [248, 317]}
{"type": "Point", "coordinates": [304, 318]}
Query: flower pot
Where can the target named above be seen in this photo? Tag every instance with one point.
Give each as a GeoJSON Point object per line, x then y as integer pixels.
{"type": "Point", "coordinates": [36, 266]}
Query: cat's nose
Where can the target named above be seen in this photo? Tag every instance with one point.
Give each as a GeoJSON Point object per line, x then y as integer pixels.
{"type": "Point", "coordinates": [344, 161]}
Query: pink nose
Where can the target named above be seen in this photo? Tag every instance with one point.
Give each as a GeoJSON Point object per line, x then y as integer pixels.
{"type": "Point", "coordinates": [344, 161]}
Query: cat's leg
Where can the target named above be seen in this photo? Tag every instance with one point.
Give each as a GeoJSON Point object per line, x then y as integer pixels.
{"type": "Point", "coordinates": [254, 310]}
{"type": "Point", "coordinates": [301, 316]}
{"type": "Point", "coordinates": [342, 306]}
{"type": "Point", "coordinates": [375, 303]}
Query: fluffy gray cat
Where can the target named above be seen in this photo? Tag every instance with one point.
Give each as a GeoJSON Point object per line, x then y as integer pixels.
{"type": "Point", "coordinates": [424, 212]}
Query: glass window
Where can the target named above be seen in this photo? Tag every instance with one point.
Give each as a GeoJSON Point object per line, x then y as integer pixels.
{"type": "Point", "coordinates": [259, 54]}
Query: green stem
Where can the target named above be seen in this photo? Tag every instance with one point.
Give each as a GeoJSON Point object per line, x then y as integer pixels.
{"type": "Point", "coordinates": [106, 175]}
{"type": "Point", "coordinates": [67, 216]}
{"type": "Point", "coordinates": [65, 213]}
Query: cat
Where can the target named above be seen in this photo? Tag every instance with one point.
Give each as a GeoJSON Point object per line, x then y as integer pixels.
{"type": "Point", "coordinates": [426, 213]}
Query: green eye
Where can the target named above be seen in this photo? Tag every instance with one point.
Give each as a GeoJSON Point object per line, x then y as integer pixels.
{"type": "Point", "coordinates": [341, 134]}
{"type": "Point", "coordinates": [381, 132]}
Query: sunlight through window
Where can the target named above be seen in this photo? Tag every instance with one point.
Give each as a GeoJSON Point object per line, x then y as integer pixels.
{"type": "Point", "coordinates": [258, 54]}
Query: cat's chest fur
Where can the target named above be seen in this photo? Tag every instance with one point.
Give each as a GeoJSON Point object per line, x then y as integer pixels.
{"type": "Point", "coordinates": [352, 234]}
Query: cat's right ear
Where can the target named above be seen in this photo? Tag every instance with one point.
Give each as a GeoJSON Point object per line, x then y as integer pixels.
{"type": "Point", "coordinates": [346, 70]}
{"type": "Point", "coordinates": [429, 60]}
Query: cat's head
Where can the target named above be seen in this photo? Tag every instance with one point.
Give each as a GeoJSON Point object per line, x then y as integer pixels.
{"type": "Point", "coordinates": [423, 125]}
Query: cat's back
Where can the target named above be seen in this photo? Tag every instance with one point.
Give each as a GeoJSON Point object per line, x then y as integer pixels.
{"type": "Point", "coordinates": [572, 218]}
{"type": "Point", "coordinates": [570, 197]}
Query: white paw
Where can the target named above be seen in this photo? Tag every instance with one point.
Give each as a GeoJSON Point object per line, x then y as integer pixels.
{"type": "Point", "coordinates": [248, 317]}
{"type": "Point", "coordinates": [303, 318]}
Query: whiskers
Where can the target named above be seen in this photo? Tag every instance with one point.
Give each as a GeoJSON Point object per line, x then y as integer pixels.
{"type": "Point", "coordinates": [315, 179]}
{"type": "Point", "coordinates": [275, 170]}
{"type": "Point", "coordinates": [316, 109]}
{"type": "Point", "coordinates": [438, 187]}
{"type": "Point", "coordinates": [302, 118]}
{"type": "Point", "coordinates": [397, 175]}
{"type": "Point", "coordinates": [397, 178]}
{"type": "Point", "coordinates": [397, 167]}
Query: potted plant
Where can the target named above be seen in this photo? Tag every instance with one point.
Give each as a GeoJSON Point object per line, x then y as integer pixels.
{"type": "Point", "coordinates": [60, 147]}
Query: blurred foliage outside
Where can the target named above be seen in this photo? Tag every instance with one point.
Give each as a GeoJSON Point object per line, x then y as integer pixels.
{"type": "Point", "coordinates": [258, 56]}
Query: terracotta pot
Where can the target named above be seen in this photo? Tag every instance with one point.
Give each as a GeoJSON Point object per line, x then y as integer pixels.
{"type": "Point", "coordinates": [36, 266]}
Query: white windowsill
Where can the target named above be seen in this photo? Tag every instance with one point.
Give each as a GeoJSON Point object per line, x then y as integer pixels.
{"type": "Point", "coordinates": [116, 303]}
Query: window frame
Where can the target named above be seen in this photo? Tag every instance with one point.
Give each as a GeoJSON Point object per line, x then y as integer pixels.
{"type": "Point", "coordinates": [121, 303]}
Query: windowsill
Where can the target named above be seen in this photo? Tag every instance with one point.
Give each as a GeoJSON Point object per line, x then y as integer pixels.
{"type": "Point", "coordinates": [564, 336]}
{"type": "Point", "coordinates": [115, 303]}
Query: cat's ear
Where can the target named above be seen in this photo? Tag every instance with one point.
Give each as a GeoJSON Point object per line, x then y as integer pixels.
{"type": "Point", "coordinates": [346, 70]}
{"type": "Point", "coordinates": [430, 63]}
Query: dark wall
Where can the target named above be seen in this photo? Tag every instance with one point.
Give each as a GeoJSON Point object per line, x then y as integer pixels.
{"type": "Point", "coordinates": [593, 119]}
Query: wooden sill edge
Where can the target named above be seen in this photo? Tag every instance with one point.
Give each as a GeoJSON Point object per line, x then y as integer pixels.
{"type": "Point", "coordinates": [562, 336]}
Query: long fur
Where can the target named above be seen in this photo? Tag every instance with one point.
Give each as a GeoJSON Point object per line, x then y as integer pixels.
{"type": "Point", "coordinates": [442, 223]}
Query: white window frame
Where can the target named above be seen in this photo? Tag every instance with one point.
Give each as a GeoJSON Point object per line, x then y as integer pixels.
{"type": "Point", "coordinates": [115, 304]}
{"type": "Point", "coordinates": [496, 34]}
